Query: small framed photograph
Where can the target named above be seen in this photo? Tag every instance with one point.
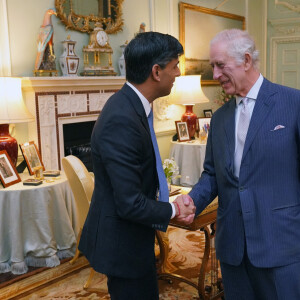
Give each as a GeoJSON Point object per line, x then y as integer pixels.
{"type": "Point", "coordinates": [207, 113]}
{"type": "Point", "coordinates": [32, 156]}
{"type": "Point", "coordinates": [8, 172]}
{"type": "Point", "coordinates": [204, 124]}
{"type": "Point", "coordinates": [182, 131]}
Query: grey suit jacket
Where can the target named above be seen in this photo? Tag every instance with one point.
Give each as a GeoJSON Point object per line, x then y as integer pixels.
{"type": "Point", "coordinates": [262, 207]}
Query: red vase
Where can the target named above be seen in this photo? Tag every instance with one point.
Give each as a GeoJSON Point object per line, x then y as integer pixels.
{"type": "Point", "coordinates": [191, 119]}
{"type": "Point", "coordinates": [8, 143]}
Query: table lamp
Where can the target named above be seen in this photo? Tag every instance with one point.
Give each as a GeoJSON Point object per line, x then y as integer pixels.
{"type": "Point", "coordinates": [187, 91]}
{"type": "Point", "coordinates": [12, 110]}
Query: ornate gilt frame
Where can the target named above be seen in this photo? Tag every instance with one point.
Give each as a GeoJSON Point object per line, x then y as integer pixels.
{"type": "Point", "coordinates": [182, 30]}
{"type": "Point", "coordinates": [74, 21]}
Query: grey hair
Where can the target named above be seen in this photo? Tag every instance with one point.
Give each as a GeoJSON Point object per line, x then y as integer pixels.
{"type": "Point", "coordinates": [238, 42]}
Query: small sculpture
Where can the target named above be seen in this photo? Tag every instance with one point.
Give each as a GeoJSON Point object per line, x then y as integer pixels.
{"type": "Point", "coordinates": [142, 27]}
{"type": "Point", "coordinates": [45, 60]}
{"type": "Point", "coordinates": [122, 60]}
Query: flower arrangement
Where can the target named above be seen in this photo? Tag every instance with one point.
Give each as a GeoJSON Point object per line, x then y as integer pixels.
{"type": "Point", "coordinates": [222, 98]}
{"type": "Point", "coordinates": [171, 169]}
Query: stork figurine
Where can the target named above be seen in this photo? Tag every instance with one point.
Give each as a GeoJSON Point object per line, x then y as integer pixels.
{"type": "Point", "coordinates": [142, 27]}
{"type": "Point", "coordinates": [45, 59]}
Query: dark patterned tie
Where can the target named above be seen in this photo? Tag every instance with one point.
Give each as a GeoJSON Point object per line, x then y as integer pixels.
{"type": "Point", "coordinates": [163, 186]}
{"type": "Point", "coordinates": [242, 130]}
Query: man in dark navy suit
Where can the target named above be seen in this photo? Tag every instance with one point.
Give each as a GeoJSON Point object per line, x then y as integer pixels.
{"type": "Point", "coordinates": [119, 232]}
{"type": "Point", "coordinates": [252, 164]}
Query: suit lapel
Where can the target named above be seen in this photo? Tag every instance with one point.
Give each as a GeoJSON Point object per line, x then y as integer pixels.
{"type": "Point", "coordinates": [137, 105]}
{"type": "Point", "coordinates": [263, 105]}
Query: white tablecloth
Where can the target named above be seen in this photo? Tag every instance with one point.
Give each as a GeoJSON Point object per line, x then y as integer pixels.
{"type": "Point", "coordinates": [189, 157]}
{"type": "Point", "coordinates": [37, 225]}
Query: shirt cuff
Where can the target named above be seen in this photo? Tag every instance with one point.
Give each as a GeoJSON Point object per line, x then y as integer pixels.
{"type": "Point", "coordinates": [173, 210]}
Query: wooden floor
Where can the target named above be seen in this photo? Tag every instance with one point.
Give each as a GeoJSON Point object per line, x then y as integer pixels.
{"type": "Point", "coordinates": [12, 286]}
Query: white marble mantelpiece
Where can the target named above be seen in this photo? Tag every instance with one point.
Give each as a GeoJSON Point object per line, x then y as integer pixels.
{"type": "Point", "coordinates": [72, 83]}
{"type": "Point", "coordinates": [55, 101]}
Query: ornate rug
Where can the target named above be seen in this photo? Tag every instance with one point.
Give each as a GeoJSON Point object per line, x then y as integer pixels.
{"type": "Point", "coordinates": [186, 252]}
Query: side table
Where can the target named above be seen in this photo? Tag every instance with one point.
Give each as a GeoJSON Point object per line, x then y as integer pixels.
{"type": "Point", "coordinates": [189, 156]}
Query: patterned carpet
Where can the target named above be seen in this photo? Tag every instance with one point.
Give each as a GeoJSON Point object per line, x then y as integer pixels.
{"type": "Point", "coordinates": [186, 252]}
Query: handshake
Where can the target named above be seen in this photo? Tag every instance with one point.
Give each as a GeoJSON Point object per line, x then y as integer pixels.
{"type": "Point", "coordinates": [185, 209]}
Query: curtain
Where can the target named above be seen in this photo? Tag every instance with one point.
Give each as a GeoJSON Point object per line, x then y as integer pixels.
{"type": "Point", "coordinates": [5, 61]}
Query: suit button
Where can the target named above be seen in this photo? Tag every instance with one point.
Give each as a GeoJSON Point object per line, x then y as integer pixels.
{"type": "Point", "coordinates": [241, 189]}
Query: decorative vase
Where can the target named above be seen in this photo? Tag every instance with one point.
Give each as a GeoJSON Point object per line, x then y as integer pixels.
{"type": "Point", "coordinates": [191, 119]}
{"type": "Point", "coordinates": [169, 181]}
{"type": "Point", "coordinates": [8, 143]}
{"type": "Point", "coordinates": [69, 61]}
{"type": "Point", "coordinates": [122, 60]}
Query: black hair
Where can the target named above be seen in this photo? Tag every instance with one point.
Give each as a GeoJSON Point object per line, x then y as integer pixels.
{"type": "Point", "coordinates": [146, 50]}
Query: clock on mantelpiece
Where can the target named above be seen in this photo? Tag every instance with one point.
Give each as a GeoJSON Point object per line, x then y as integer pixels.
{"type": "Point", "coordinates": [97, 54]}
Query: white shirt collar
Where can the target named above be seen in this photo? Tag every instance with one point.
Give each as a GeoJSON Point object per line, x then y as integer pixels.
{"type": "Point", "coordinates": [145, 102]}
{"type": "Point", "coordinates": [252, 94]}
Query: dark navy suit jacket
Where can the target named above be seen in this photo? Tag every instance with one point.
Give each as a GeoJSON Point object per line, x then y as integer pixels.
{"type": "Point", "coordinates": [263, 205]}
{"type": "Point", "coordinates": [119, 232]}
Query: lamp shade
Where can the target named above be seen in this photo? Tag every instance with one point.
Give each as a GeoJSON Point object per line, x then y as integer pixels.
{"type": "Point", "coordinates": [187, 91]}
{"type": "Point", "coordinates": [13, 109]}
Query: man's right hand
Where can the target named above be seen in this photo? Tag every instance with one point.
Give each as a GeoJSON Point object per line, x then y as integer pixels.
{"type": "Point", "coordinates": [185, 209]}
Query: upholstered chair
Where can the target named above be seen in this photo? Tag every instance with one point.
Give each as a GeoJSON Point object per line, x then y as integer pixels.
{"type": "Point", "coordinates": [82, 186]}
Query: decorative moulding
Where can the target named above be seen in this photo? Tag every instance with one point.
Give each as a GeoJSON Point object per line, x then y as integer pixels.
{"type": "Point", "coordinates": [286, 26]}
{"type": "Point", "coordinates": [289, 5]}
{"type": "Point", "coordinates": [275, 42]}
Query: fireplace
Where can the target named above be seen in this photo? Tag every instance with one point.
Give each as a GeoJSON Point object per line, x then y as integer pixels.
{"type": "Point", "coordinates": [58, 102]}
{"type": "Point", "coordinates": [77, 141]}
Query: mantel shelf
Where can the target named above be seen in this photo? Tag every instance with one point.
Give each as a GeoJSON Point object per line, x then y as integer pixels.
{"type": "Point", "coordinates": [78, 82]}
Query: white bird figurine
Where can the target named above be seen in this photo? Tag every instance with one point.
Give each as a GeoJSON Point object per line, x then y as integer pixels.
{"type": "Point", "coordinates": [45, 41]}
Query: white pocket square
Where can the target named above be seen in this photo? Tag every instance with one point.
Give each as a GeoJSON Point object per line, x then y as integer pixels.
{"type": "Point", "coordinates": [278, 127]}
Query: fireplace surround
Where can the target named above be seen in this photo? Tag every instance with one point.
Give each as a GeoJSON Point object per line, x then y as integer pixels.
{"type": "Point", "coordinates": [59, 101]}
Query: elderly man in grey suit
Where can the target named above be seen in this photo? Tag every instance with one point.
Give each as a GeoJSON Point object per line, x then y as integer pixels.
{"type": "Point", "coordinates": [252, 164]}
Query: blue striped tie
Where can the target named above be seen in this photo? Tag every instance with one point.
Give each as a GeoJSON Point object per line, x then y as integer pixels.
{"type": "Point", "coordinates": [163, 186]}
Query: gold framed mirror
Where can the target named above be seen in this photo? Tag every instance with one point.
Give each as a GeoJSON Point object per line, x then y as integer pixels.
{"type": "Point", "coordinates": [81, 15]}
{"type": "Point", "coordinates": [197, 26]}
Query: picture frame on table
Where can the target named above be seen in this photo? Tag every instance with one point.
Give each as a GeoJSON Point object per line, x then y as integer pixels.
{"type": "Point", "coordinates": [8, 172]}
{"type": "Point", "coordinates": [207, 113]}
{"type": "Point", "coordinates": [32, 156]}
{"type": "Point", "coordinates": [204, 124]}
{"type": "Point", "coordinates": [182, 131]}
